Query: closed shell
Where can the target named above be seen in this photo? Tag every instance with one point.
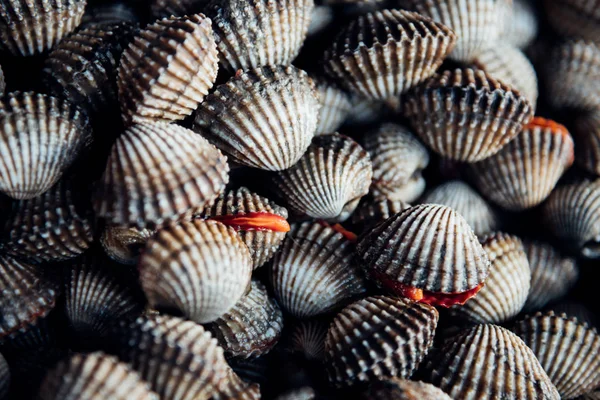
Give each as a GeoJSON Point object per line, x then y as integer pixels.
{"type": "Point", "coordinates": [575, 18]}
{"type": "Point", "coordinates": [4, 377]}
{"type": "Point", "coordinates": [335, 106]}
{"type": "Point", "coordinates": [403, 389]}
{"type": "Point", "coordinates": [124, 244]}
{"type": "Point", "coordinates": [371, 212]}
{"type": "Point", "coordinates": [520, 25]}
{"type": "Point", "coordinates": [586, 132]}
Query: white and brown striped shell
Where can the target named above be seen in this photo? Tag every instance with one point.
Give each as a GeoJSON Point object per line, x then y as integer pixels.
{"type": "Point", "coordinates": [466, 115]}
{"type": "Point", "coordinates": [329, 180]}
{"type": "Point", "coordinates": [314, 272]}
{"type": "Point", "coordinates": [521, 24]}
{"type": "Point", "coordinates": [4, 378]}
{"type": "Point", "coordinates": [40, 137]}
{"type": "Point", "coordinates": [403, 389]}
{"type": "Point", "coordinates": [166, 8]}
{"type": "Point", "coordinates": [383, 54]}
{"type": "Point", "coordinates": [575, 18]}
{"type": "Point", "coordinates": [307, 337]}
{"type": "Point", "coordinates": [124, 244]}
{"type": "Point", "coordinates": [378, 337]}
{"type": "Point", "coordinates": [167, 70]}
{"type": "Point", "coordinates": [373, 211]}
{"type": "Point", "coordinates": [336, 105]}
{"type": "Point", "coordinates": [586, 133]}
{"type": "Point", "coordinates": [158, 172]}
{"type": "Point", "coordinates": [263, 118]}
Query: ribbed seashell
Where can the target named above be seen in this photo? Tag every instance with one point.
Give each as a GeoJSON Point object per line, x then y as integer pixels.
{"type": "Point", "coordinates": [427, 253]}
{"type": "Point", "coordinates": [157, 173]}
{"type": "Point", "coordinates": [586, 132]}
{"type": "Point", "coordinates": [2, 82]}
{"type": "Point", "coordinates": [509, 65]}
{"type": "Point", "coordinates": [524, 172]}
{"type": "Point", "coordinates": [303, 393]}
{"type": "Point", "coordinates": [552, 274]}
{"type": "Point", "coordinates": [112, 12]}
{"type": "Point", "coordinates": [263, 118]}
{"type": "Point", "coordinates": [32, 27]}
{"type": "Point", "coordinates": [520, 25]}
{"type": "Point", "coordinates": [575, 18]}
{"type": "Point", "coordinates": [489, 362]}
{"type": "Point", "coordinates": [160, 9]}
{"type": "Point", "coordinates": [259, 222]}
{"type": "Point", "coordinates": [198, 268]}
{"type": "Point", "coordinates": [232, 387]}
{"type": "Point", "coordinates": [567, 350]}
{"type": "Point", "coordinates": [572, 213]}
{"type": "Point", "coordinates": [252, 34]}
{"type": "Point", "coordinates": [371, 212]}
{"type": "Point", "coordinates": [94, 376]}
{"type": "Point", "coordinates": [574, 309]}
{"type": "Point", "coordinates": [315, 272]}
{"type": "Point", "coordinates": [455, 194]}
{"type": "Point", "coordinates": [506, 287]}
{"type": "Point", "coordinates": [378, 337]}
{"type": "Point", "coordinates": [308, 338]}
{"type": "Point", "coordinates": [4, 377]}
{"type": "Point", "coordinates": [123, 244]}
{"type": "Point", "coordinates": [329, 180]}
{"type": "Point", "coordinates": [398, 159]}
{"type": "Point", "coordinates": [167, 70]}
{"type": "Point", "coordinates": [383, 54]}
{"type": "Point", "coordinates": [335, 107]}
{"type": "Point", "coordinates": [466, 115]}
{"type": "Point", "coordinates": [403, 389]}
{"type": "Point", "coordinates": [178, 358]}
{"type": "Point", "coordinates": [40, 137]}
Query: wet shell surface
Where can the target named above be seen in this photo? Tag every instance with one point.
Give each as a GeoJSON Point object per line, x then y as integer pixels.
{"type": "Point", "coordinates": [31, 27]}
{"type": "Point", "coordinates": [378, 337]}
{"type": "Point", "coordinates": [308, 338]}
{"type": "Point", "coordinates": [256, 33]}
{"type": "Point", "coordinates": [521, 24]}
{"type": "Point", "coordinates": [441, 265]}
{"type": "Point", "coordinates": [167, 70]}
{"type": "Point", "coordinates": [567, 350]}
{"type": "Point", "coordinates": [91, 376]}
{"type": "Point", "coordinates": [198, 268]}
{"type": "Point", "coordinates": [524, 172]}
{"type": "Point", "coordinates": [586, 132]}
{"type": "Point", "coordinates": [382, 54]}
{"type": "Point", "coordinates": [40, 137]}
{"type": "Point", "coordinates": [263, 118]}
{"type": "Point", "coordinates": [403, 389]}
{"type": "Point", "coordinates": [123, 244]}
{"type": "Point", "coordinates": [575, 18]}
{"type": "Point", "coordinates": [371, 212]}
{"type": "Point", "coordinates": [336, 105]}
{"type": "Point", "coordinates": [314, 272]}
{"type": "Point", "coordinates": [488, 361]}
{"type": "Point", "coordinates": [4, 377]}
{"type": "Point", "coordinates": [166, 8]}
{"type": "Point", "coordinates": [466, 115]}
{"type": "Point", "coordinates": [329, 180]}
{"type": "Point", "coordinates": [158, 172]}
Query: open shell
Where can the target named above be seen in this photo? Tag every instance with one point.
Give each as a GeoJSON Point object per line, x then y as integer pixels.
{"type": "Point", "coordinates": [371, 212]}
{"type": "Point", "coordinates": [335, 107]}
{"type": "Point", "coordinates": [575, 18]}
{"type": "Point", "coordinates": [403, 389]}
{"type": "Point", "coordinates": [586, 132]}
{"type": "Point", "coordinates": [124, 244]}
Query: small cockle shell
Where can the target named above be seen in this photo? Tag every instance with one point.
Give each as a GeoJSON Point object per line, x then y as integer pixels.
{"type": "Point", "coordinates": [383, 54]}
{"type": "Point", "coordinates": [94, 376]}
{"type": "Point", "coordinates": [160, 9]}
{"type": "Point", "coordinates": [524, 172]}
{"type": "Point", "coordinates": [167, 70]}
{"type": "Point", "coordinates": [427, 253]}
{"type": "Point", "coordinates": [520, 25]}
{"type": "Point", "coordinates": [109, 13]}
{"type": "Point", "coordinates": [335, 106]}
{"type": "Point", "coordinates": [308, 338]}
{"type": "Point", "coordinates": [572, 213]}
{"type": "Point", "coordinates": [252, 327]}
{"type": "Point", "coordinates": [259, 222]}
{"type": "Point", "coordinates": [575, 18]}
{"type": "Point", "coordinates": [262, 118]}
{"type": "Point", "coordinates": [198, 268]}
{"type": "Point", "coordinates": [507, 286]}
{"type": "Point", "coordinates": [40, 137]}
{"type": "Point", "coordinates": [398, 159]}
{"type": "Point", "coordinates": [329, 180]}
{"type": "Point", "coordinates": [586, 132]}
{"type": "Point", "coordinates": [567, 350]}
{"type": "Point", "coordinates": [124, 244]}
{"type": "Point", "coordinates": [378, 337]}
{"type": "Point", "coordinates": [403, 389]}
{"type": "Point", "coordinates": [29, 27]}
{"type": "Point", "coordinates": [157, 173]}
{"type": "Point", "coordinates": [489, 362]}
{"type": "Point", "coordinates": [371, 212]}
{"type": "Point", "coordinates": [466, 115]}
{"type": "Point", "coordinates": [315, 272]}
{"type": "Point", "coordinates": [4, 377]}
{"type": "Point", "coordinates": [256, 33]}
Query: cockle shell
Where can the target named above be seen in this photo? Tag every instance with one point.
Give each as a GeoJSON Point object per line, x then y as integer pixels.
{"type": "Point", "coordinates": [382, 54]}
{"type": "Point", "coordinates": [262, 118]}
{"type": "Point", "coordinates": [335, 106]}
{"type": "Point", "coordinates": [371, 212]}
{"type": "Point", "coordinates": [166, 8]}
{"type": "Point", "coordinates": [124, 244]}
{"type": "Point", "coordinates": [232, 387]}
{"type": "Point", "coordinates": [167, 70]}
{"type": "Point", "coordinates": [403, 389]}
{"type": "Point", "coordinates": [308, 338]}
{"type": "Point", "coordinates": [378, 337]}
{"type": "Point", "coordinates": [586, 132]}
{"type": "Point", "coordinates": [575, 18]}
{"type": "Point", "coordinates": [109, 13]}
{"type": "Point", "coordinates": [520, 25]}
{"type": "Point", "coordinates": [4, 378]}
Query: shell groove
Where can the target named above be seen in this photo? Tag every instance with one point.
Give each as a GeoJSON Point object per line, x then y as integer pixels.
{"type": "Point", "coordinates": [123, 244]}
{"type": "Point", "coordinates": [521, 24]}
{"type": "Point", "coordinates": [335, 106]}
{"type": "Point", "coordinates": [586, 132]}
{"type": "Point", "coordinates": [403, 389]}
{"type": "Point", "coordinates": [371, 212]}
{"type": "Point", "coordinates": [575, 18]}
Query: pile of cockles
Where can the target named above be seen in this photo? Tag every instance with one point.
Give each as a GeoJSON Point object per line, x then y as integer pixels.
{"type": "Point", "coordinates": [299, 199]}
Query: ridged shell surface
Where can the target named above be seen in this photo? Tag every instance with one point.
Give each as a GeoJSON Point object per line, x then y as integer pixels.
{"type": "Point", "coordinates": [466, 115]}
{"type": "Point", "coordinates": [165, 8]}
{"type": "Point", "coordinates": [378, 337]}
{"type": "Point", "coordinates": [167, 70]}
{"type": "Point", "coordinates": [586, 132]}
{"type": "Point", "coordinates": [335, 103]}
{"type": "Point", "coordinates": [124, 244]}
{"type": "Point", "coordinates": [158, 172]}
{"type": "Point", "coordinates": [40, 137]}
{"type": "Point", "coordinates": [521, 24]}
{"type": "Point", "coordinates": [315, 272]}
{"type": "Point", "coordinates": [383, 54]}
{"type": "Point", "coordinates": [263, 118]}
{"type": "Point", "coordinates": [575, 18]}
{"type": "Point", "coordinates": [567, 349]}
{"type": "Point", "coordinates": [232, 387]}
{"type": "Point", "coordinates": [403, 389]}
{"type": "Point", "coordinates": [371, 212]}
{"type": "Point", "coordinates": [198, 268]}
{"type": "Point", "coordinates": [308, 338]}
{"type": "Point", "coordinates": [4, 377]}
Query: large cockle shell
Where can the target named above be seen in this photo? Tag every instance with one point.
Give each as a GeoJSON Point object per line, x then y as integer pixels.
{"type": "Point", "coordinates": [575, 18]}
{"type": "Point", "coordinates": [403, 389]}
{"type": "Point", "coordinates": [383, 54]}
{"type": "Point", "coordinates": [125, 244]}
{"type": "Point", "coordinates": [329, 180]}
{"type": "Point", "coordinates": [198, 268]}
{"type": "Point", "coordinates": [427, 253]}
{"type": "Point", "coordinates": [262, 118]}
{"type": "Point", "coordinates": [165, 8]}
{"type": "Point", "coordinates": [371, 212]}
{"type": "Point", "coordinates": [586, 132]}
{"type": "Point", "coordinates": [567, 350]}
{"type": "Point", "coordinates": [4, 377]}
{"type": "Point", "coordinates": [336, 105]}
{"type": "Point", "coordinates": [378, 337]}
{"type": "Point", "coordinates": [466, 115]}
{"type": "Point", "coordinates": [315, 272]}
{"type": "Point", "coordinates": [40, 137]}
{"type": "Point", "coordinates": [157, 173]}
{"type": "Point", "coordinates": [167, 70]}
{"type": "Point", "coordinates": [520, 25]}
